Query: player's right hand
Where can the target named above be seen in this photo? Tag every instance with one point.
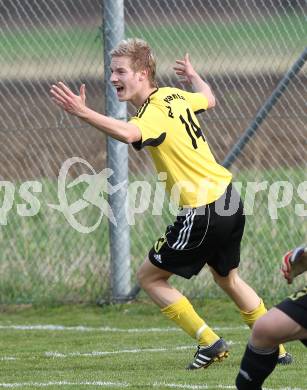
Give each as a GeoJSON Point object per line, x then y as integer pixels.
{"type": "Point", "coordinates": [66, 99]}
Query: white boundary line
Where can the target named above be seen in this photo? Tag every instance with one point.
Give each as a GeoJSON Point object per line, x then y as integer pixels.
{"type": "Point", "coordinates": [56, 354]}
{"type": "Point", "coordinates": [105, 353]}
{"type": "Point", "coordinates": [82, 328]}
{"type": "Point", "coordinates": [214, 387]}
{"type": "Point", "coordinates": [124, 384]}
{"type": "Point", "coordinates": [63, 383]}
{"type": "Point", "coordinates": [136, 350]}
{"type": "Point", "coordinates": [196, 387]}
{"type": "Point", "coordinates": [11, 358]}
{"type": "Point", "coordinates": [3, 358]}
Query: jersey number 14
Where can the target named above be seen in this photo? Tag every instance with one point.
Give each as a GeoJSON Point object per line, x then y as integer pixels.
{"type": "Point", "coordinates": [193, 130]}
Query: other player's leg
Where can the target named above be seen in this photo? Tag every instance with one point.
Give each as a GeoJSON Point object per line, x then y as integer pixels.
{"type": "Point", "coordinates": [261, 354]}
{"type": "Point", "coordinates": [247, 300]}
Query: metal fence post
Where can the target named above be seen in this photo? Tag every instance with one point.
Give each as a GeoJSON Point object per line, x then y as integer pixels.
{"type": "Point", "coordinates": [117, 157]}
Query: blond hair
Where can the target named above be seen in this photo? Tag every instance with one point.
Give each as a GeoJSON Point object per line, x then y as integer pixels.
{"type": "Point", "coordinates": [140, 54]}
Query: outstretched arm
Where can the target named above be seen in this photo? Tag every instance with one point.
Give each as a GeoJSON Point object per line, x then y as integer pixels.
{"type": "Point", "coordinates": [75, 105]}
{"type": "Point", "coordinates": [188, 75]}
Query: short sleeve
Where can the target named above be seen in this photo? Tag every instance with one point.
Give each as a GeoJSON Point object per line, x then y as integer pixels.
{"type": "Point", "coordinates": [151, 122]}
{"type": "Point", "coordinates": [196, 100]}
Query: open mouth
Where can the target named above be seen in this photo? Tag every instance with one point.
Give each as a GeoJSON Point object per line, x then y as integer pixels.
{"type": "Point", "coordinates": [119, 89]}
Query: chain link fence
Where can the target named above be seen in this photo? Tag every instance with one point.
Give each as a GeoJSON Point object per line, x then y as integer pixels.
{"type": "Point", "coordinates": [43, 258]}
{"type": "Point", "coordinates": [242, 48]}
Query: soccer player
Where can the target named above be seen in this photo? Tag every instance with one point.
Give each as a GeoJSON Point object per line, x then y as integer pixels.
{"type": "Point", "coordinates": [285, 322]}
{"type": "Point", "coordinates": [210, 221]}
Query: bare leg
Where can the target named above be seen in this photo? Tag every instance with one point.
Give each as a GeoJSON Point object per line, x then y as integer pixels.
{"type": "Point", "coordinates": [274, 328]}
{"type": "Point", "coordinates": [240, 292]}
{"type": "Point", "coordinates": [154, 282]}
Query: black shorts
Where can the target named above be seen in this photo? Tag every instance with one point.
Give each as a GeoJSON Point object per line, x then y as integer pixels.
{"type": "Point", "coordinates": [295, 307]}
{"type": "Point", "coordinates": [209, 234]}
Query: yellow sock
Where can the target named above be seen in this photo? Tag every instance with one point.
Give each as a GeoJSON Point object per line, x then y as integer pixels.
{"type": "Point", "coordinates": [184, 315]}
{"type": "Point", "coordinates": [282, 350]}
{"type": "Point", "coordinates": [252, 316]}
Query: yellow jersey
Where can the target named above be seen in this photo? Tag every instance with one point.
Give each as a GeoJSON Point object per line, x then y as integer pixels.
{"type": "Point", "coordinates": [171, 131]}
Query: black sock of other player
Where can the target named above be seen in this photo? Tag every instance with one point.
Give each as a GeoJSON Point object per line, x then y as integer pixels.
{"type": "Point", "coordinates": [256, 366]}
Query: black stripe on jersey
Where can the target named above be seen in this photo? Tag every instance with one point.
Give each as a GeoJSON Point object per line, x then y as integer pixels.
{"type": "Point", "coordinates": [149, 142]}
{"type": "Point", "coordinates": [142, 109]}
{"type": "Point", "coordinates": [199, 111]}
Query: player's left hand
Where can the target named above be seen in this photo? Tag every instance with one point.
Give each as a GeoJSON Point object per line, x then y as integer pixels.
{"type": "Point", "coordinates": [66, 99]}
{"type": "Point", "coordinates": [184, 69]}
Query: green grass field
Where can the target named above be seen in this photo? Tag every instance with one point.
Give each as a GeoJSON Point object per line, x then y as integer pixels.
{"type": "Point", "coordinates": [39, 43]}
{"type": "Point", "coordinates": [124, 346]}
{"type": "Point", "coordinates": [227, 37]}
